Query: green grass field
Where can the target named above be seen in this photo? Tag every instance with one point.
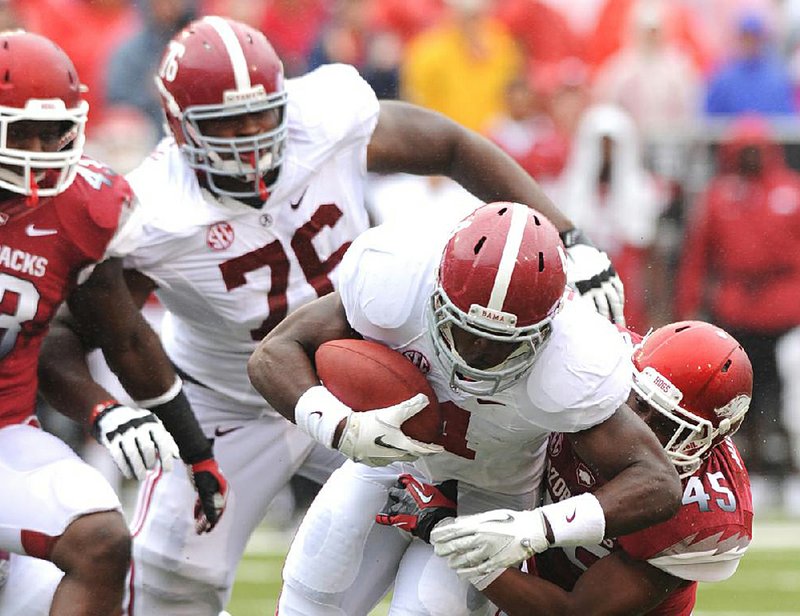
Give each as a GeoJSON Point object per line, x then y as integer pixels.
{"type": "Point", "coordinates": [767, 582]}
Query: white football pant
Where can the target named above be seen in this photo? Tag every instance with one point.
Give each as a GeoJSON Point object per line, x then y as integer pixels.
{"type": "Point", "coordinates": [341, 562]}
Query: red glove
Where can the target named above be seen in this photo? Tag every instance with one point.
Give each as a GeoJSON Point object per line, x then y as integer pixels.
{"type": "Point", "coordinates": [212, 494]}
{"type": "Point", "coordinates": [418, 507]}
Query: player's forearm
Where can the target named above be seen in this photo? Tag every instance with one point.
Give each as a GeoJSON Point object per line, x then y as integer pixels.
{"type": "Point", "coordinates": [281, 368]}
{"type": "Point", "coordinates": [644, 494]}
{"type": "Point", "coordinates": [139, 361]}
{"type": "Point", "coordinates": [281, 371]}
{"type": "Point", "coordinates": [522, 594]}
{"type": "Point", "coordinates": [64, 378]}
{"type": "Point", "coordinates": [492, 175]}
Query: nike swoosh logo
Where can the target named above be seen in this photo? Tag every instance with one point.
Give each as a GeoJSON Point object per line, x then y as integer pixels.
{"type": "Point", "coordinates": [570, 518]}
{"type": "Point", "coordinates": [296, 204]}
{"type": "Point", "coordinates": [421, 495]}
{"type": "Point", "coordinates": [32, 231]}
{"type": "Point", "coordinates": [381, 443]}
{"type": "Point", "coordinates": [220, 432]}
{"type": "Point", "coordinates": [312, 413]}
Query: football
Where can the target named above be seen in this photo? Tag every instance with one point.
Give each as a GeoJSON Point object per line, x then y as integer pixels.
{"type": "Point", "coordinates": [367, 375]}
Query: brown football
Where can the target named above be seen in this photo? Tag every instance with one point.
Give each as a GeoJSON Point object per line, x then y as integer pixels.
{"type": "Point", "coordinates": [367, 375]}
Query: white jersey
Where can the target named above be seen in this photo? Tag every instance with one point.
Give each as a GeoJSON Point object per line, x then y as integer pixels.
{"type": "Point", "coordinates": [581, 376]}
{"type": "Point", "coordinates": [226, 272]}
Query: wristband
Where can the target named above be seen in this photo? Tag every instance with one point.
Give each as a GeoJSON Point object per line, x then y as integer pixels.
{"type": "Point", "coordinates": [167, 396]}
{"type": "Point", "coordinates": [101, 408]}
{"type": "Point", "coordinates": [178, 418]}
{"type": "Point", "coordinates": [318, 413]}
{"type": "Point", "coordinates": [579, 520]}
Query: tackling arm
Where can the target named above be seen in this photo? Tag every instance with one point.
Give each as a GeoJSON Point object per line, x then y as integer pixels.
{"type": "Point", "coordinates": [616, 584]}
{"type": "Point", "coordinates": [102, 313]}
{"type": "Point", "coordinates": [644, 488]}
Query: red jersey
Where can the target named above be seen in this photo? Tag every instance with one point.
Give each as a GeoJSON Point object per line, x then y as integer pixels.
{"type": "Point", "coordinates": [42, 252]}
{"type": "Point", "coordinates": [704, 541]}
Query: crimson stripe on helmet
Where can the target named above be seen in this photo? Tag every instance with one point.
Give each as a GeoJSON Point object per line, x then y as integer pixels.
{"type": "Point", "coordinates": [516, 229]}
{"type": "Point", "coordinates": [234, 49]}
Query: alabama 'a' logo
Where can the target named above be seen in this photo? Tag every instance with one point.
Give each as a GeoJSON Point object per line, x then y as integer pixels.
{"type": "Point", "coordinates": [219, 236]}
{"type": "Point", "coordinates": [419, 360]}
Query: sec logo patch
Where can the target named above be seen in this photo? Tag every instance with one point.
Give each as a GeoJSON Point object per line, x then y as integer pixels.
{"type": "Point", "coordinates": [219, 236]}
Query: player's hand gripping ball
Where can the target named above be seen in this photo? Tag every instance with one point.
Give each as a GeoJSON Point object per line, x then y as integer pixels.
{"type": "Point", "coordinates": [367, 375]}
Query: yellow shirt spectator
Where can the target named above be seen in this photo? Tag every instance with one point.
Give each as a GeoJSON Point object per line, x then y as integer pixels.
{"type": "Point", "coordinates": [461, 69]}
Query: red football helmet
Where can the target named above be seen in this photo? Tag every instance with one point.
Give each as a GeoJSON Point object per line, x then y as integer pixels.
{"type": "Point", "coordinates": [216, 68]}
{"type": "Point", "coordinates": [39, 84]}
{"type": "Point", "coordinates": [502, 278]}
{"type": "Point", "coordinates": [698, 376]}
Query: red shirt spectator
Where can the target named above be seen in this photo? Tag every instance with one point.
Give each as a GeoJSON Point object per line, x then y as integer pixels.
{"type": "Point", "coordinates": [544, 33]}
{"type": "Point", "coordinates": [612, 23]}
{"type": "Point", "coordinates": [743, 238]}
{"type": "Point", "coordinates": [292, 27]}
{"type": "Point", "coordinates": [406, 18]}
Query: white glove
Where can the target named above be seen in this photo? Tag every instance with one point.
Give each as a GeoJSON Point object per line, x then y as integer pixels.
{"type": "Point", "coordinates": [477, 545]}
{"type": "Point", "coordinates": [136, 439]}
{"type": "Point", "coordinates": [370, 437]}
{"type": "Point", "coordinates": [590, 273]}
{"type": "Point", "coordinates": [374, 437]}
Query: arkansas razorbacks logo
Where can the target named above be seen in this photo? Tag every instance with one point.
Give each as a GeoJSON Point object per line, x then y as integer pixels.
{"type": "Point", "coordinates": [219, 236]}
{"type": "Point", "coordinates": [584, 476]}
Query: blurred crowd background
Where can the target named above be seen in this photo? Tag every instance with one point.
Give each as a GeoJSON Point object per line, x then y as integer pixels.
{"type": "Point", "coordinates": [666, 129]}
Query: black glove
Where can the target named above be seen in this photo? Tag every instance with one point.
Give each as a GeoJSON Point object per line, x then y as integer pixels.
{"type": "Point", "coordinates": [212, 494]}
{"type": "Point", "coordinates": [591, 274]}
{"type": "Point", "coordinates": [417, 507]}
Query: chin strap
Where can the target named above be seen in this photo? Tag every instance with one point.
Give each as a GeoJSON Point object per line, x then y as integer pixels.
{"type": "Point", "coordinates": [263, 193]}
{"type": "Point", "coordinates": [32, 199]}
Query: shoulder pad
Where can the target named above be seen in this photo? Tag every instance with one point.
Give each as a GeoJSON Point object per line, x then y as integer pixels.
{"type": "Point", "coordinates": [584, 372]}
{"type": "Point", "coordinates": [333, 101]}
{"type": "Point", "coordinates": [94, 206]}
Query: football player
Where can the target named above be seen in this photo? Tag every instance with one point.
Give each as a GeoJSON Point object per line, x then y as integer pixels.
{"type": "Point", "coordinates": [250, 204]}
{"type": "Point", "coordinates": [692, 384]}
{"type": "Point", "coordinates": [64, 220]}
{"type": "Point", "coordinates": [480, 306]}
